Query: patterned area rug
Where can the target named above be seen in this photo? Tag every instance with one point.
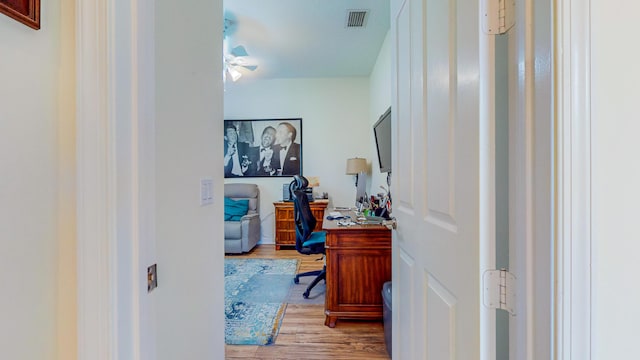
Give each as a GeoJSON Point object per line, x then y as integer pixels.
{"type": "Point", "coordinates": [254, 294]}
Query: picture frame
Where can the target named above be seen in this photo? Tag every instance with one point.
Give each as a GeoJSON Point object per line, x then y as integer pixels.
{"type": "Point", "coordinates": [262, 147]}
{"type": "Point", "coordinates": [24, 11]}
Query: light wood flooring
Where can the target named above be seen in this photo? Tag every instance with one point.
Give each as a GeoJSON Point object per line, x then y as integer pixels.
{"type": "Point", "coordinates": [303, 334]}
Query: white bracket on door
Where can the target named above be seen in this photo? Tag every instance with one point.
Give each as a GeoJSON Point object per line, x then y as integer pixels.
{"type": "Point", "coordinates": [498, 16]}
{"type": "Point", "coordinates": [499, 290]}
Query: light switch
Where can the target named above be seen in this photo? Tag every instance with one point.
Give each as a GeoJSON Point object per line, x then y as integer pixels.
{"type": "Point", "coordinates": [206, 191]}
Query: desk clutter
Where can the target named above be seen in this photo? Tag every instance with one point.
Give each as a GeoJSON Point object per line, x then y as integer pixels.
{"type": "Point", "coordinates": [358, 218]}
{"type": "Point", "coordinates": [374, 207]}
{"type": "Point", "coordinates": [336, 215]}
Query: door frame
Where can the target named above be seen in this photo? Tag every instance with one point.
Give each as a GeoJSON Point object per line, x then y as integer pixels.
{"type": "Point", "coordinates": [115, 157]}
{"type": "Point", "coordinates": [95, 212]}
{"type": "Point", "coordinates": [573, 291]}
{"type": "Point", "coordinates": [98, 250]}
{"type": "Point", "coordinates": [531, 179]}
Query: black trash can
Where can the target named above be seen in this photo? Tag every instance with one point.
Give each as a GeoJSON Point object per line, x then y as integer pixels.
{"type": "Point", "coordinates": [386, 314]}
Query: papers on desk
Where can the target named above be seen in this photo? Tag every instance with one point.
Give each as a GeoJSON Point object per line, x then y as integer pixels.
{"type": "Point", "coordinates": [346, 222]}
{"type": "Point", "coordinates": [336, 215]}
{"type": "Point", "coordinates": [370, 220]}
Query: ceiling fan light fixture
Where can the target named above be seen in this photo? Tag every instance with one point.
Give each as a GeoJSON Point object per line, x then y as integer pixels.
{"type": "Point", "coordinates": [239, 61]}
{"type": "Point", "coordinates": [234, 73]}
{"type": "Point", "coordinates": [234, 57]}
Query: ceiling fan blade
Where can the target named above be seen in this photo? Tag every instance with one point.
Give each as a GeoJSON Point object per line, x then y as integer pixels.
{"type": "Point", "coordinates": [239, 51]}
{"type": "Point", "coordinates": [250, 67]}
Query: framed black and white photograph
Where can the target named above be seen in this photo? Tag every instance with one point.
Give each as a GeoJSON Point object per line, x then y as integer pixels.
{"type": "Point", "coordinates": [262, 147]}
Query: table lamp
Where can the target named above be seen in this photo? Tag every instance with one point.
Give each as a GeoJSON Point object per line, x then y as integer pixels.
{"type": "Point", "coordinates": [355, 166]}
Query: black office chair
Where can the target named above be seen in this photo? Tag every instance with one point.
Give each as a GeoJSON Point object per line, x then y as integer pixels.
{"type": "Point", "coordinates": [308, 242]}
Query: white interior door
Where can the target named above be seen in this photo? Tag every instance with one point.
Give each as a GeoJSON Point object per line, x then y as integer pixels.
{"type": "Point", "coordinates": [443, 180]}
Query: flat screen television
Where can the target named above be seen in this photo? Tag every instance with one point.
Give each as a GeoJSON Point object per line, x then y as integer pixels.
{"type": "Point", "coordinates": [382, 133]}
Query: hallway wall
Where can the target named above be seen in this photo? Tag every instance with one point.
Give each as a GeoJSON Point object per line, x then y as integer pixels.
{"type": "Point", "coordinates": [190, 248]}
{"type": "Point", "coordinates": [37, 186]}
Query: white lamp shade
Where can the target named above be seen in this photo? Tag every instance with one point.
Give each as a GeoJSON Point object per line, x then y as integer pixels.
{"type": "Point", "coordinates": [356, 166]}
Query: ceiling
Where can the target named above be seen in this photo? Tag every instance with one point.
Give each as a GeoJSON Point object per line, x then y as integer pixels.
{"type": "Point", "coordinates": [306, 38]}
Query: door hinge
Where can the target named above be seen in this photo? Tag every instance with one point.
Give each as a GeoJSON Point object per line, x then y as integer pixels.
{"type": "Point", "coordinates": [499, 290]}
{"type": "Point", "coordinates": [498, 16]}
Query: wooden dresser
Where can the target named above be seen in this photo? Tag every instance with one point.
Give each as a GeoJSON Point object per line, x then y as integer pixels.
{"type": "Point", "coordinates": [358, 264]}
{"type": "Point", "coordinates": [285, 230]}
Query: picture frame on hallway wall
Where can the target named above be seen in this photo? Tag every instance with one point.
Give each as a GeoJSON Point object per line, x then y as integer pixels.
{"type": "Point", "coordinates": [24, 11]}
{"type": "Point", "coordinates": [263, 148]}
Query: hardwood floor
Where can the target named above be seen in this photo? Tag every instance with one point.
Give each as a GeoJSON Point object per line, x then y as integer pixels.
{"type": "Point", "coordinates": [303, 334]}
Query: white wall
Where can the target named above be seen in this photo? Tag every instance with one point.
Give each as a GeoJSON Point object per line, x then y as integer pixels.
{"type": "Point", "coordinates": [615, 179]}
{"type": "Point", "coordinates": [190, 246]}
{"type": "Point", "coordinates": [380, 100]}
{"type": "Point", "coordinates": [37, 186]}
{"type": "Point", "coordinates": [335, 127]}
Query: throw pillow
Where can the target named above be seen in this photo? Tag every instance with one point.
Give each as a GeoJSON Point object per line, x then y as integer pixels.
{"type": "Point", "coordinates": [234, 210]}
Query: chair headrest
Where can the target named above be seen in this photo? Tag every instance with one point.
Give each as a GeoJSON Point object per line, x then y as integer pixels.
{"type": "Point", "coordinates": [299, 182]}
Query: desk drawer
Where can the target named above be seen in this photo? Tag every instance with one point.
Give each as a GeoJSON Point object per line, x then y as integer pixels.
{"type": "Point", "coordinates": [378, 239]}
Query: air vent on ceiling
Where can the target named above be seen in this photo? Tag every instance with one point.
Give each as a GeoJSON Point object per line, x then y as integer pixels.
{"type": "Point", "coordinates": [357, 18]}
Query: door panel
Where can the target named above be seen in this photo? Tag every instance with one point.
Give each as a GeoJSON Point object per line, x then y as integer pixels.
{"type": "Point", "coordinates": [440, 102]}
{"type": "Point", "coordinates": [440, 164]}
{"type": "Point", "coordinates": [413, 323]}
{"type": "Point", "coordinates": [404, 198]}
{"type": "Point", "coordinates": [441, 327]}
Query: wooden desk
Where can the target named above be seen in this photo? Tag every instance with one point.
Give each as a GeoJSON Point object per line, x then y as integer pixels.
{"type": "Point", "coordinates": [285, 228]}
{"type": "Point", "coordinates": [358, 264]}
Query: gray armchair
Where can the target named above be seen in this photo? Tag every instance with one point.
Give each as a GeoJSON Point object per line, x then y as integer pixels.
{"type": "Point", "coordinates": [241, 236]}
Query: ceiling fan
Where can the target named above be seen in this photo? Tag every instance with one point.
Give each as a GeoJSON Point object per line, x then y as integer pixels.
{"type": "Point", "coordinates": [236, 57]}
